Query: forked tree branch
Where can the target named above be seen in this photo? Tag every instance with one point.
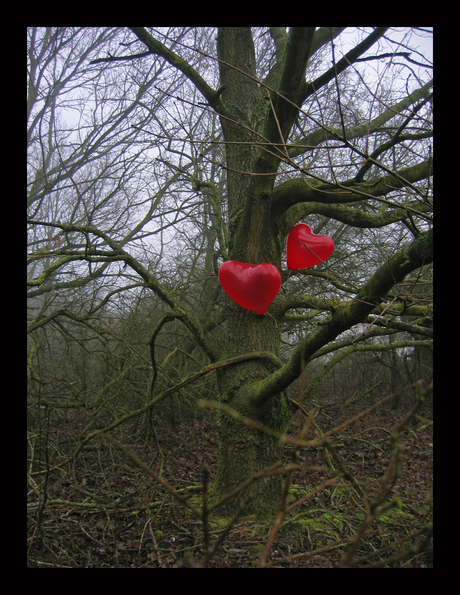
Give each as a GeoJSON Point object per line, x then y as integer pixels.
{"type": "Point", "coordinates": [156, 47]}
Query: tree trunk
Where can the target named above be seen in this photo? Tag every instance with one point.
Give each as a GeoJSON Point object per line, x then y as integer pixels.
{"type": "Point", "coordinates": [245, 450]}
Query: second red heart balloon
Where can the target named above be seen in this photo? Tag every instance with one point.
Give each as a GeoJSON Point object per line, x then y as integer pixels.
{"type": "Point", "coordinates": [305, 249]}
{"type": "Point", "coordinates": [252, 286]}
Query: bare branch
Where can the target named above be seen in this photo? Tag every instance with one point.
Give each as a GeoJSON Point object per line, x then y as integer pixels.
{"type": "Point", "coordinates": [156, 47]}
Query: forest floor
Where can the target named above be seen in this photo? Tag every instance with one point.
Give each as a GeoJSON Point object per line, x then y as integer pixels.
{"type": "Point", "coordinates": [102, 511]}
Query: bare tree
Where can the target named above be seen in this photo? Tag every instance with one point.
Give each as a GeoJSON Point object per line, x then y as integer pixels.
{"type": "Point", "coordinates": [231, 142]}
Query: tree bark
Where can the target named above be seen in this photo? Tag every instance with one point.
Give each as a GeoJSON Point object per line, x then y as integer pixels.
{"type": "Point", "coordinates": [254, 238]}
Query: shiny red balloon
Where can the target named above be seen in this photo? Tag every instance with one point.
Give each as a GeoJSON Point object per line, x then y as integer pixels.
{"type": "Point", "coordinates": [252, 286]}
{"type": "Point", "coordinates": [305, 249]}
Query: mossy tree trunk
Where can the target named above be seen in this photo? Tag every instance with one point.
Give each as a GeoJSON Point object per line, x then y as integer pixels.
{"type": "Point", "coordinates": [255, 235]}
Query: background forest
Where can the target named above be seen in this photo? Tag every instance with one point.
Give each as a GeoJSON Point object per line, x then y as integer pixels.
{"type": "Point", "coordinates": [166, 425]}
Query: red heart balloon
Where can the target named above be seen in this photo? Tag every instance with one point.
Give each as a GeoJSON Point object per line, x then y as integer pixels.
{"type": "Point", "coordinates": [305, 249]}
{"type": "Point", "coordinates": [252, 286]}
